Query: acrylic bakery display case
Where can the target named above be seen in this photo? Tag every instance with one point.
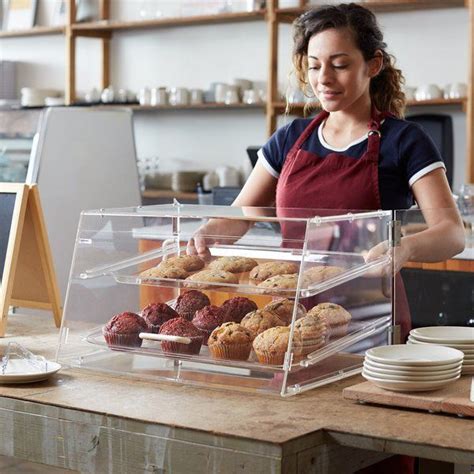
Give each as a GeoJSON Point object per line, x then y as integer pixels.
{"type": "Point", "coordinates": [319, 284]}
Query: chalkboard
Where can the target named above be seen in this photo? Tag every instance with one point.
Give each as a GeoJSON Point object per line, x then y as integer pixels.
{"type": "Point", "coordinates": [7, 207]}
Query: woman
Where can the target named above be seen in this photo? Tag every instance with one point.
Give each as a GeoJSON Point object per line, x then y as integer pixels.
{"type": "Point", "coordinates": [358, 153]}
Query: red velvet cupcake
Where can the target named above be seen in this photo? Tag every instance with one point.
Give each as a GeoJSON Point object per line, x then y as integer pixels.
{"type": "Point", "coordinates": [188, 303]}
{"type": "Point", "coordinates": [207, 319]}
{"type": "Point", "coordinates": [181, 327]}
{"type": "Point", "coordinates": [123, 330]}
{"type": "Point", "coordinates": [236, 308]}
{"type": "Point", "coordinates": [155, 314]}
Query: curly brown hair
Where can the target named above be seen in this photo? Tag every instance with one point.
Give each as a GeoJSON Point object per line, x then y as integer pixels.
{"type": "Point", "coordinates": [385, 88]}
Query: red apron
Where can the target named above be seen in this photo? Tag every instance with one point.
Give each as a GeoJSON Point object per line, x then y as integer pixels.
{"type": "Point", "coordinates": [335, 182]}
{"type": "Point", "coordinates": [338, 181]}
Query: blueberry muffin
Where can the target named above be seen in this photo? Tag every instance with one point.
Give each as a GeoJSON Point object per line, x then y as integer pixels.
{"type": "Point", "coordinates": [271, 345]}
{"type": "Point", "coordinates": [230, 341]}
{"type": "Point", "coordinates": [283, 307]}
{"type": "Point", "coordinates": [336, 317]}
{"type": "Point", "coordinates": [313, 331]}
{"type": "Point", "coordinates": [233, 264]}
{"type": "Point", "coordinates": [261, 320]}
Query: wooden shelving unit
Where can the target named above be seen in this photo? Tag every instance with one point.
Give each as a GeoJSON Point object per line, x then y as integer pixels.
{"type": "Point", "coordinates": [209, 106]}
{"type": "Point", "coordinates": [168, 194]}
{"type": "Point", "coordinates": [35, 31]}
{"type": "Point", "coordinates": [273, 17]}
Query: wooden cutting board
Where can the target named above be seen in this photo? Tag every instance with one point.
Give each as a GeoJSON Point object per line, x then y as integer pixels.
{"type": "Point", "coordinates": [453, 399]}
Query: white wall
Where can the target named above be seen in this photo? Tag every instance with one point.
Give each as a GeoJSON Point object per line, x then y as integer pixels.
{"type": "Point", "coordinates": [431, 47]}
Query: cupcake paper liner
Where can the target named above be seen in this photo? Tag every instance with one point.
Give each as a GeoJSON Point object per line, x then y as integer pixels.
{"type": "Point", "coordinates": [122, 340]}
{"type": "Point", "coordinates": [231, 351]}
{"type": "Point", "coordinates": [192, 348]}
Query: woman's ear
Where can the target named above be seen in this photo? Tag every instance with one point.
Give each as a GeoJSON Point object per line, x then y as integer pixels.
{"type": "Point", "coordinates": [376, 63]}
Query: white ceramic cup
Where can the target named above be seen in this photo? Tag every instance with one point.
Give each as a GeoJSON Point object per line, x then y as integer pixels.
{"type": "Point", "coordinates": [220, 92]}
{"type": "Point", "coordinates": [457, 90]}
{"type": "Point", "coordinates": [179, 96]}
{"type": "Point", "coordinates": [144, 96]}
{"type": "Point", "coordinates": [197, 96]}
{"type": "Point", "coordinates": [428, 92]}
{"type": "Point", "coordinates": [158, 96]}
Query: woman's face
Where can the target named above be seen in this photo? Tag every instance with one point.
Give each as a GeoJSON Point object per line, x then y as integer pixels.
{"type": "Point", "coordinates": [337, 71]}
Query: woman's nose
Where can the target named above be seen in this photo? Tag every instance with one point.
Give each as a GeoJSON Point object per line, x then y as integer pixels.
{"type": "Point", "coordinates": [325, 76]}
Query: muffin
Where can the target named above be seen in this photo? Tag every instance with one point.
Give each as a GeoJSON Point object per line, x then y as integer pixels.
{"type": "Point", "coordinates": [181, 327]}
{"type": "Point", "coordinates": [207, 319]}
{"type": "Point", "coordinates": [233, 264]}
{"type": "Point", "coordinates": [272, 344]}
{"type": "Point", "coordinates": [123, 330]}
{"type": "Point", "coordinates": [283, 308]}
{"type": "Point", "coordinates": [230, 341]}
{"type": "Point", "coordinates": [236, 308]}
{"type": "Point", "coordinates": [320, 273]}
{"type": "Point", "coordinates": [336, 317]}
{"type": "Point", "coordinates": [281, 282]}
{"type": "Point", "coordinates": [165, 271]}
{"type": "Point", "coordinates": [313, 331]}
{"type": "Point", "coordinates": [190, 263]}
{"type": "Point", "coordinates": [261, 320]}
{"type": "Point", "coordinates": [213, 276]}
{"type": "Point", "coordinates": [269, 269]}
{"type": "Point", "coordinates": [155, 314]}
{"type": "Point", "coordinates": [188, 303]}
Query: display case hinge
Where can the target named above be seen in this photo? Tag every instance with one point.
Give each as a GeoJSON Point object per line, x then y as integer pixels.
{"type": "Point", "coordinates": [395, 233]}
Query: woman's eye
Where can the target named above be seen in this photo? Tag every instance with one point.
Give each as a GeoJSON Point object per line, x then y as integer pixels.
{"type": "Point", "coordinates": [314, 68]}
{"type": "Point", "coordinates": [340, 66]}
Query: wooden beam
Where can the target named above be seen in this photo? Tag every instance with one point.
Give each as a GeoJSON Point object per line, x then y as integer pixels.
{"type": "Point", "coordinates": [70, 92]}
{"type": "Point", "coordinates": [272, 85]}
{"type": "Point", "coordinates": [105, 81]}
{"type": "Point", "coordinates": [470, 103]}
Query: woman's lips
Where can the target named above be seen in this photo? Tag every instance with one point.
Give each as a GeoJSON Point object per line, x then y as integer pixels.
{"type": "Point", "coordinates": [328, 95]}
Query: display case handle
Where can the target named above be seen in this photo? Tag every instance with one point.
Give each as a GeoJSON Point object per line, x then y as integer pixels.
{"type": "Point", "coordinates": [164, 337]}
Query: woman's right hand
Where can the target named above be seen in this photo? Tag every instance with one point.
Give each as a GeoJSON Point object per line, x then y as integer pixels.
{"type": "Point", "coordinates": [216, 231]}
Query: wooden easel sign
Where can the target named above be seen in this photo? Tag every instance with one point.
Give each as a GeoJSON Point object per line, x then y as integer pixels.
{"type": "Point", "coordinates": [27, 274]}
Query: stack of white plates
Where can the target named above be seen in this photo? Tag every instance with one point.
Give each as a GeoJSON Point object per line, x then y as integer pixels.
{"type": "Point", "coordinates": [412, 368]}
{"type": "Point", "coordinates": [457, 337]}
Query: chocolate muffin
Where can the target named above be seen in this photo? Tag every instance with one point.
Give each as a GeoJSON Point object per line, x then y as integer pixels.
{"type": "Point", "coordinates": [236, 308]}
{"type": "Point", "coordinates": [188, 303]}
{"type": "Point", "coordinates": [207, 319]}
{"type": "Point", "coordinates": [181, 327]}
{"type": "Point", "coordinates": [123, 330]}
{"type": "Point", "coordinates": [155, 314]}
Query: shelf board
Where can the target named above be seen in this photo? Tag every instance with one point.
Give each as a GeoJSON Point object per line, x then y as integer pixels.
{"type": "Point", "coordinates": [209, 106]}
{"type": "Point", "coordinates": [167, 194]}
{"type": "Point", "coordinates": [288, 15]}
{"type": "Point", "coordinates": [35, 31]}
{"type": "Point", "coordinates": [280, 107]}
{"type": "Point", "coordinates": [110, 25]}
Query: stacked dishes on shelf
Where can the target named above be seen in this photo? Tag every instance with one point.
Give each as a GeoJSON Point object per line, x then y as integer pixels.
{"type": "Point", "coordinates": [457, 337]}
{"type": "Point", "coordinates": [412, 368]}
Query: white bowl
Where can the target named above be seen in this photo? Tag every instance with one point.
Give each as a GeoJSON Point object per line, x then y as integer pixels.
{"type": "Point", "coordinates": [414, 355]}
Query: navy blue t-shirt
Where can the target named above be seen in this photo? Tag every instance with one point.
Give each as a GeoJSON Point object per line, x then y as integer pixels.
{"type": "Point", "coordinates": [406, 154]}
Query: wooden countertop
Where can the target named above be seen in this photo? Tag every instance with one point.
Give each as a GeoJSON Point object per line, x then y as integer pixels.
{"type": "Point", "coordinates": [290, 423]}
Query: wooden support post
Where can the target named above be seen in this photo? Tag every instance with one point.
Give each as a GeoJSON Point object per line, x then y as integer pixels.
{"type": "Point", "coordinates": [70, 93]}
{"type": "Point", "coordinates": [470, 102]}
{"type": "Point", "coordinates": [272, 92]}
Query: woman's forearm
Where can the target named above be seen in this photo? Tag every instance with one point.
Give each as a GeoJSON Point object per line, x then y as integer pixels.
{"type": "Point", "coordinates": [437, 243]}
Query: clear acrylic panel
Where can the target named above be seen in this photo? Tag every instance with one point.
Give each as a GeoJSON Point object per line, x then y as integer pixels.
{"type": "Point", "coordinates": [308, 257]}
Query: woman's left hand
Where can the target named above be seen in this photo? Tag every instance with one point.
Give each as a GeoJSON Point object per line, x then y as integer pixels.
{"type": "Point", "coordinates": [398, 257]}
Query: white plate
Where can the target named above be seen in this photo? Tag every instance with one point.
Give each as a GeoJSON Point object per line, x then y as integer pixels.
{"type": "Point", "coordinates": [414, 355]}
{"type": "Point", "coordinates": [411, 378]}
{"type": "Point", "coordinates": [19, 371]}
{"type": "Point", "coordinates": [399, 386]}
{"type": "Point", "coordinates": [445, 334]}
{"type": "Point", "coordinates": [434, 368]}
{"type": "Point", "coordinates": [466, 348]}
{"type": "Point", "coordinates": [394, 370]}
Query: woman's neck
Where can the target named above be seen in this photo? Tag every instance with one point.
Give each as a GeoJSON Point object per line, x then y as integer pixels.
{"type": "Point", "coordinates": [354, 118]}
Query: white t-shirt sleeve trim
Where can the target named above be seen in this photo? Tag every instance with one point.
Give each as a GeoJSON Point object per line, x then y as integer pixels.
{"type": "Point", "coordinates": [425, 171]}
{"type": "Point", "coordinates": [263, 161]}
